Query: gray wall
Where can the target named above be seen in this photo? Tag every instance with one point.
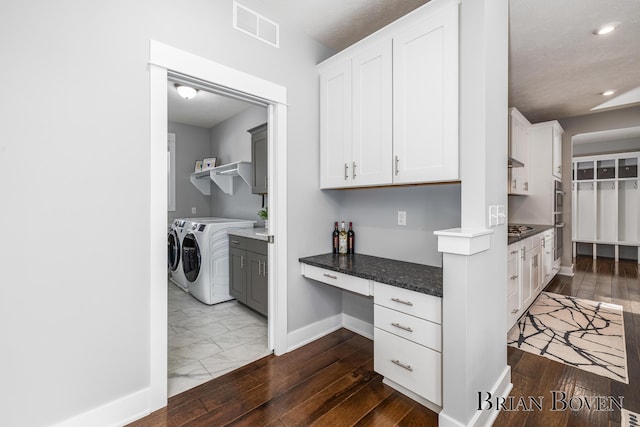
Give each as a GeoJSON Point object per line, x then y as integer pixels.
{"type": "Point", "coordinates": [88, 309]}
{"type": "Point", "coordinates": [192, 143]}
{"type": "Point", "coordinates": [230, 142]}
{"type": "Point", "coordinates": [608, 120]}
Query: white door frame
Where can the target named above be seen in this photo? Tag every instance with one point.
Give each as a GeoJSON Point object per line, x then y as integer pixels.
{"type": "Point", "coordinates": [163, 60]}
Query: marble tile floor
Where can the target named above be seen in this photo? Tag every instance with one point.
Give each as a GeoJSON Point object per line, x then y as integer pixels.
{"type": "Point", "coordinates": [208, 341]}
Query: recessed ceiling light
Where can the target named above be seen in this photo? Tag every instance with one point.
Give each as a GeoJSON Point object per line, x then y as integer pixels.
{"type": "Point", "coordinates": [606, 28]}
{"type": "Point", "coordinates": [608, 92]}
{"type": "Point", "coordinates": [187, 92]}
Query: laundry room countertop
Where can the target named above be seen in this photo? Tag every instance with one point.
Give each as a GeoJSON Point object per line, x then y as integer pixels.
{"type": "Point", "coordinates": [250, 233]}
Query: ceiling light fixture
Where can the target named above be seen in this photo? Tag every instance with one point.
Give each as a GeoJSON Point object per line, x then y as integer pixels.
{"type": "Point", "coordinates": [187, 92]}
{"type": "Point", "coordinates": [608, 92]}
{"type": "Point", "coordinates": [606, 28]}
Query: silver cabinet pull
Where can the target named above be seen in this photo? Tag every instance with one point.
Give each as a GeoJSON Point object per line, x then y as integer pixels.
{"type": "Point", "coordinates": [404, 328]}
{"type": "Point", "coordinates": [513, 252]}
{"type": "Point", "coordinates": [513, 277]}
{"type": "Point", "coordinates": [353, 170]}
{"type": "Point", "coordinates": [264, 268]}
{"type": "Point", "coordinates": [402, 365]}
{"type": "Point", "coordinates": [235, 242]}
{"type": "Point", "coordinates": [346, 171]}
{"type": "Point", "coordinates": [397, 169]}
{"type": "Point", "coordinates": [242, 261]}
{"type": "Point", "coordinates": [259, 268]}
{"type": "Point", "coordinates": [401, 301]}
{"type": "Point", "coordinates": [526, 186]}
{"type": "Point", "coordinates": [330, 276]}
{"type": "Point", "coordinates": [514, 311]}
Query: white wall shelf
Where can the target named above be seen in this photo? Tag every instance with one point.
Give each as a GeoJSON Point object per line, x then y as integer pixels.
{"type": "Point", "coordinates": [606, 201]}
{"type": "Point", "coordinates": [223, 176]}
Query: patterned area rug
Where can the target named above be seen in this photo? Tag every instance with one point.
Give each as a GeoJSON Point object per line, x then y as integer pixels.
{"type": "Point", "coordinates": [586, 334]}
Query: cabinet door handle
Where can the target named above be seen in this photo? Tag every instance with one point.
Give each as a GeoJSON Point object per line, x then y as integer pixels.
{"type": "Point", "coordinates": [402, 365]}
{"type": "Point", "coordinates": [514, 311]}
{"type": "Point", "coordinates": [402, 302]}
{"type": "Point", "coordinates": [259, 268]}
{"type": "Point", "coordinates": [397, 168]}
{"type": "Point", "coordinates": [353, 170]}
{"type": "Point", "coordinates": [513, 277]}
{"type": "Point", "coordinates": [330, 276]}
{"type": "Point", "coordinates": [346, 171]}
{"type": "Point", "coordinates": [242, 261]}
{"type": "Point", "coordinates": [526, 186]}
{"type": "Point", "coordinates": [264, 268]}
{"type": "Point", "coordinates": [404, 328]}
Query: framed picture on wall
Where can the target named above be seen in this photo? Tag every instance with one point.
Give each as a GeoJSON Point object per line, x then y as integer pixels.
{"type": "Point", "coordinates": [198, 167]}
{"type": "Point", "coordinates": [209, 163]}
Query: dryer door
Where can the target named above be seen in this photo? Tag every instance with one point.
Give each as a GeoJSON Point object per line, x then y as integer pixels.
{"type": "Point", "coordinates": [191, 262]}
{"type": "Point", "coordinates": [173, 248]}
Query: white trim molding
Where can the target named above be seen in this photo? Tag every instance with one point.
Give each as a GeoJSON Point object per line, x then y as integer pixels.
{"type": "Point", "coordinates": [463, 241]}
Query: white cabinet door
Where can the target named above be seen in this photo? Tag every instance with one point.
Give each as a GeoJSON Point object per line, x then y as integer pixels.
{"type": "Point", "coordinates": [372, 116]}
{"type": "Point", "coordinates": [519, 150]}
{"type": "Point", "coordinates": [425, 100]}
{"type": "Point", "coordinates": [514, 284]}
{"type": "Point", "coordinates": [557, 151]}
{"type": "Point", "coordinates": [335, 125]}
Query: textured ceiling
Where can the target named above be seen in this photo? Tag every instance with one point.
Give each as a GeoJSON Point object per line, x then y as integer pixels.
{"type": "Point", "coordinates": [557, 67]}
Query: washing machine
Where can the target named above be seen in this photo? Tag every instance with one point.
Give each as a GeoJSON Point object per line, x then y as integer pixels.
{"type": "Point", "coordinates": [177, 231]}
{"type": "Point", "coordinates": [205, 258]}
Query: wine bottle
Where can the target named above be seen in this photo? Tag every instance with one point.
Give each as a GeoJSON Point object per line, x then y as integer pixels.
{"type": "Point", "coordinates": [335, 237]}
{"type": "Point", "coordinates": [342, 239]}
{"type": "Point", "coordinates": [351, 240]}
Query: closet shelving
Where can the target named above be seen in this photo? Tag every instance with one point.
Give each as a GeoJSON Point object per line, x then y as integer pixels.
{"type": "Point", "coordinates": [223, 176]}
{"type": "Point", "coordinates": [606, 199]}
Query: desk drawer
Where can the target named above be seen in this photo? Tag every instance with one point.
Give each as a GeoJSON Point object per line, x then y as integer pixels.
{"type": "Point", "coordinates": [420, 331]}
{"type": "Point", "coordinates": [411, 365]}
{"type": "Point", "coordinates": [344, 281]}
{"type": "Point", "coordinates": [414, 303]}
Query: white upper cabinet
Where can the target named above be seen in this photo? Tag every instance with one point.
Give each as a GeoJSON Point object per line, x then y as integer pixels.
{"type": "Point", "coordinates": [336, 138]}
{"type": "Point", "coordinates": [557, 150]}
{"type": "Point", "coordinates": [425, 100]}
{"type": "Point", "coordinates": [519, 150]}
{"type": "Point", "coordinates": [389, 104]}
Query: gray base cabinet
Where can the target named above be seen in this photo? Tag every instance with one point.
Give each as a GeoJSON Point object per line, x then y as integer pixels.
{"type": "Point", "coordinates": [248, 281]}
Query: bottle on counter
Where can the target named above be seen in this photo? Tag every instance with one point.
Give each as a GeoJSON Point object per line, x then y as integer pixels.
{"type": "Point", "coordinates": [335, 237]}
{"type": "Point", "coordinates": [342, 239]}
{"type": "Point", "coordinates": [351, 240]}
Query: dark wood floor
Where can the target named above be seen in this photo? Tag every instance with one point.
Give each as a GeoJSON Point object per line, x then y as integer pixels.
{"type": "Point", "coordinates": [331, 382]}
{"type": "Point", "coordinates": [600, 280]}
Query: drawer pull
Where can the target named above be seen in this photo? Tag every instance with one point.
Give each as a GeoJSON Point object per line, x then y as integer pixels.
{"type": "Point", "coordinates": [235, 242]}
{"type": "Point", "coordinates": [402, 302]}
{"type": "Point", "coordinates": [513, 252]}
{"type": "Point", "coordinates": [404, 328]}
{"type": "Point", "coordinates": [330, 276]}
{"type": "Point", "coordinates": [402, 365]}
{"type": "Point", "coordinates": [513, 277]}
{"type": "Point", "coordinates": [514, 311]}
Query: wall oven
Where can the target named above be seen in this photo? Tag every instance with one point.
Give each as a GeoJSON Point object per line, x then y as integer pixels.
{"type": "Point", "coordinates": [558, 222]}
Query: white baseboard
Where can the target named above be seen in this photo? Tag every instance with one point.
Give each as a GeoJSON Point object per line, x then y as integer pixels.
{"type": "Point", "coordinates": [566, 271]}
{"type": "Point", "coordinates": [482, 418]}
{"type": "Point", "coordinates": [113, 414]}
{"type": "Point", "coordinates": [358, 326]}
{"type": "Point", "coordinates": [312, 332]}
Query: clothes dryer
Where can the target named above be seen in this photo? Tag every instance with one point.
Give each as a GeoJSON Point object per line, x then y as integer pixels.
{"type": "Point", "coordinates": [174, 255]}
{"type": "Point", "coordinates": [205, 258]}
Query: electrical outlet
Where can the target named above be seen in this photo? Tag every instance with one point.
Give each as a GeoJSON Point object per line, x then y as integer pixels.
{"type": "Point", "coordinates": [402, 217]}
{"type": "Point", "coordinates": [193, 210]}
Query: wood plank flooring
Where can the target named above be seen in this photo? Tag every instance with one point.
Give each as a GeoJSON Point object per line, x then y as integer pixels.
{"type": "Point", "coordinates": [331, 382]}
{"type": "Point", "coordinates": [531, 375]}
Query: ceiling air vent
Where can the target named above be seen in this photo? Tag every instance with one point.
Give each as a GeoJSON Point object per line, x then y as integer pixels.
{"type": "Point", "coordinates": [249, 22]}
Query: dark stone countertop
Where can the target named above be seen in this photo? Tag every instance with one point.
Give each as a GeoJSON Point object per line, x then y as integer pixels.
{"type": "Point", "coordinates": [415, 277]}
{"type": "Point", "coordinates": [537, 229]}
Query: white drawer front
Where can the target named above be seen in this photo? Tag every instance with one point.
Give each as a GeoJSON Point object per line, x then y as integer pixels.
{"type": "Point", "coordinates": [411, 365]}
{"type": "Point", "coordinates": [421, 331]}
{"type": "Point", "coordinates": [344, 281]}
{"type": "Point", "coordinates": [416, 304]}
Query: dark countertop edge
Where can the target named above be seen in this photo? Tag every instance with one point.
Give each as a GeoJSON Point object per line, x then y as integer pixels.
{"type": "Point", "coordinates": [537, 229]}
{"type": "Point", "coordinates": [434, 289]}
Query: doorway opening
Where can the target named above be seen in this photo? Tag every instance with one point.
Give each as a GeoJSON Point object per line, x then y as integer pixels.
{"type": "Point", "coordinates": [168, 64]}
